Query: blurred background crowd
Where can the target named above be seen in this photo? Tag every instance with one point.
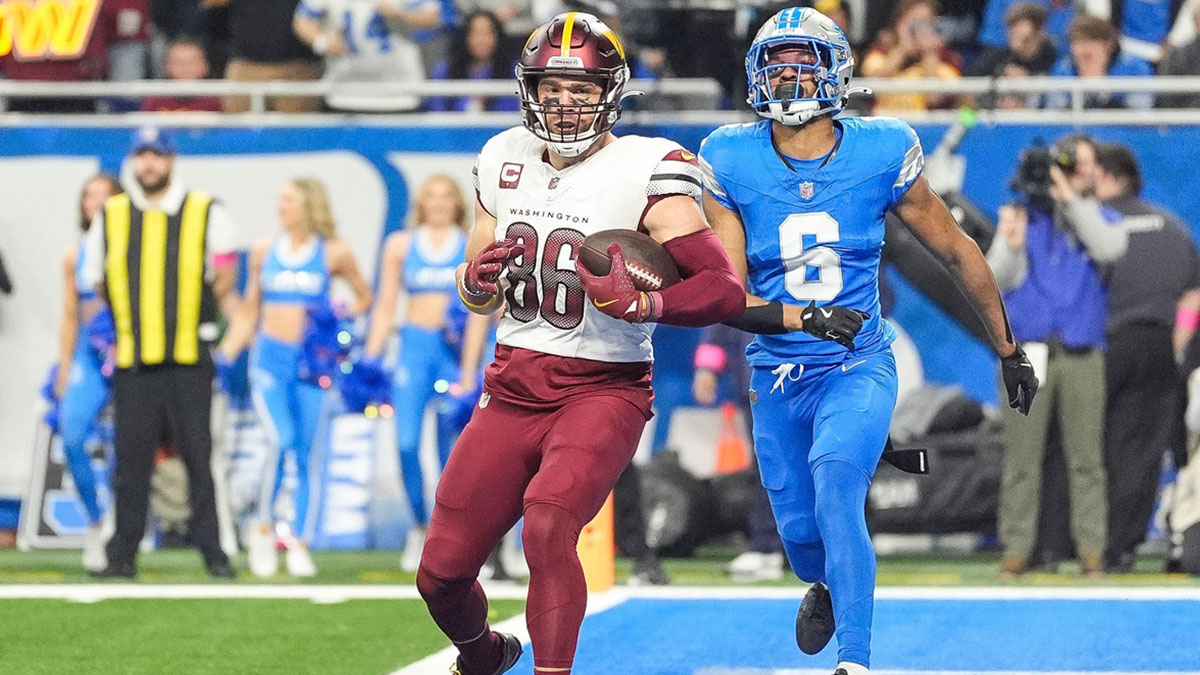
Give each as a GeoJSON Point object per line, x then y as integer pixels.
{"type": "Point", "coordinates": [410, 40]}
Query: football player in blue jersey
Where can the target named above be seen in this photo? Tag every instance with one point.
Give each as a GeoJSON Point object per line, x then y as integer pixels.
{"type": "Point", "coordinates": [799, 199]}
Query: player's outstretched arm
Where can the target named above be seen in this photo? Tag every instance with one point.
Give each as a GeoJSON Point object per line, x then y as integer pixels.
{"type": "Point", "coordinates": [926, 215]}
{"type": "Point", "coordinates": [711, 290]}
{"type": "Point", "coordinates": [479, 277]}
{"type": "Point", "coordinates": [762, 317]}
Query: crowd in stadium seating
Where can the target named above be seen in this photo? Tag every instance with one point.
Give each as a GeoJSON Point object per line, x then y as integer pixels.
{"type": "Point", "coordinates": [408, 40]}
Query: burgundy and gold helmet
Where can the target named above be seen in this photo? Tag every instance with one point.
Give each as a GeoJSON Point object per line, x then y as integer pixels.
{"type": "Point", "coordinates": [573, 44]}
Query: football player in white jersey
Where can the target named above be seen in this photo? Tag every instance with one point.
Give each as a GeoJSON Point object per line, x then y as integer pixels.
{"type": "Point", "coordinates": [565, 401]}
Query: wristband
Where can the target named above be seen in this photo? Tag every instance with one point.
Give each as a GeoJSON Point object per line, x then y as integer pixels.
{"type": "Point", "coordinates": [761, 320]}
{"type": "Point", "coordinates": [466, 296]}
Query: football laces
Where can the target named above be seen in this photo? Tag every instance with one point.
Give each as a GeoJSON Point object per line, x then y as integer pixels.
{"type": "Point", "coordinates": [644, 275]}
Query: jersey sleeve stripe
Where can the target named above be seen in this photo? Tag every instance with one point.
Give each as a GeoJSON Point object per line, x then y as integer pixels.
{"type": "Point", "coordinates": [663, 188]}
{"type": "Point", "coordinates": [710, 179]}
{"type": "Point", "coordinates": [694, 179]}
{"type": "Point", "coordinates": [914, 162]}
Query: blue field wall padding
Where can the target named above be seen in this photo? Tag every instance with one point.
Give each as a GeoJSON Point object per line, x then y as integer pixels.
{"type": "Point", "coordinates": [388, 163]}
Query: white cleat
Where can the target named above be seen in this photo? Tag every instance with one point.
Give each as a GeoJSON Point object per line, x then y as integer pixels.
{"type": "Point", "coordinates": [753, 566]}
{"type": "Point", "coordinates": [95, 558]}
{"type": "Point", "coordinates": [260, 549]}
{"type": "Point", "coordinates": [413, 545]}
{"type": "Point", "coordinates": [299, 561]}
{"type": "Point", "coordinates": [512, 556]}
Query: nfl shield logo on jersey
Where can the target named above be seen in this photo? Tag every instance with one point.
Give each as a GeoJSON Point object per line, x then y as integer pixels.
{"type": "Point", "coordinates": [806, 189]}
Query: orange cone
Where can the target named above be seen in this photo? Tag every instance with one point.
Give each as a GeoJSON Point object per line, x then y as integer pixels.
{"type": "Point", "coordinates": [732, 454]}
{"type": "Point", "coordinates": [597, 551]}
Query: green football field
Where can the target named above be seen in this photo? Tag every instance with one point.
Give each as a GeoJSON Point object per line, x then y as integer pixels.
{"type": "Point", "coordinates": [322, 634]}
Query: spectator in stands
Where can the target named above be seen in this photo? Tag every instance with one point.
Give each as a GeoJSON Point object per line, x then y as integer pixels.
{"type": "Point", "coordinates": [1029, 48]}
{"type": "Point", "coordinates": [108, 44]}
{"type": "Point", "coordinates": [1154, 308]}
{"type": "Point", "coordinates": [368, 43]}
{"type": "Point", "coordinates": [519, 17]}
{"type": "Point", "coordinates": [186, 62]}
{"type": "Point", "coordinates": [1183, 60]}
{"type": "Point", "coordinates": [912, 47]}
{"type": "Point", "coordinates": [263, 49]}
{"type": "Point", "coordinates": [699, 38]}
{"type": "Point", "coordinates": [993, 33]}
{"type": "Point", "coordinates": [172, 20]}
{"type": "Point", "coordinates": [1143, 24]}
{"type": "Point", "coordinates": [1047, 258]}
{"type": "Point", "coordinates": [1094, 52]}
{"type": "Point", "coordinates": [475, 55]}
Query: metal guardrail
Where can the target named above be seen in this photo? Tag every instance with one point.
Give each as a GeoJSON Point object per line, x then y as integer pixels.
{"type": "Point", "coordinates": [260, 92]}
{"type": "Point", "coordinates": [695, 91]}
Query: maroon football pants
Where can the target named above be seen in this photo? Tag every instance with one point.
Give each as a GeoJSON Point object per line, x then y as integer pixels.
{"type": "Point", "coordinates": [556, 467]}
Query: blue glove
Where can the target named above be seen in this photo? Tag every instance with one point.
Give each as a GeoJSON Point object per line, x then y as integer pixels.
{"type": "Point", "coordinates": [366, 383]}
{"type": "Point", "coordinates": [47, 392]}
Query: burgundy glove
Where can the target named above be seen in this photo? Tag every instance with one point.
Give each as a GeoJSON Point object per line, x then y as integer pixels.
{"type": "Point", "coordinates": [614, 293]}
{"type": "Point", "coordinates": [481, 278]}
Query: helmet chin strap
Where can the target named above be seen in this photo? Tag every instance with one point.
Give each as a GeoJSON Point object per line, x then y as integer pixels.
{"type": "Point", "coordinates": [574, 148]}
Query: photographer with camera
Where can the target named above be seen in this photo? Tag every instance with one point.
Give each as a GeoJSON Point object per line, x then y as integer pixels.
{"type": "Point", "coordinates": [1050, 258]}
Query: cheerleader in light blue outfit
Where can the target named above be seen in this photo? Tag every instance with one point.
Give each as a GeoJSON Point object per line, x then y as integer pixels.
{"type": "Point", "coordinates": [421, 261]}
{"type": "Point", "coordinates": [81, 385]}
{"type": "Point", "coordinates": [288, 281]}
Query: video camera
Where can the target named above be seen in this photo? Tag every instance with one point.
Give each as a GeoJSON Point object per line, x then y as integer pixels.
{"type": "Point", "coordinates": [1033, 171]}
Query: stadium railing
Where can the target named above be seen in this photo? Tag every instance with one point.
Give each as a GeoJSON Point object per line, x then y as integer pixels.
{"type": "Point", "coordinates": [698, 97]}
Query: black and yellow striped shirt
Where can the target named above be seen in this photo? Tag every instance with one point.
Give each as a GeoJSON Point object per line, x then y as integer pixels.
{"type": "Point", "coordinates": [155, 276]}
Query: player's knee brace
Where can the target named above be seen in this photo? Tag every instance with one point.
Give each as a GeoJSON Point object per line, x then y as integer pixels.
{"type": "Point", "coordinates": [549, 536]}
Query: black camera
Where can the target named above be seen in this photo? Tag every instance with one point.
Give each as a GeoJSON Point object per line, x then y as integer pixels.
{"type": "Point", "coordinates": [1033, 171]}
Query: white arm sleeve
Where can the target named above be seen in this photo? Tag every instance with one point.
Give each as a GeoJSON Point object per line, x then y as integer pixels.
{"type": "Point", "coordinates": [221, 236]}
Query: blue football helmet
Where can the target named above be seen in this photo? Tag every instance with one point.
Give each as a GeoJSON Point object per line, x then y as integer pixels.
{"type": "Point", "coordinates": [827, 58]}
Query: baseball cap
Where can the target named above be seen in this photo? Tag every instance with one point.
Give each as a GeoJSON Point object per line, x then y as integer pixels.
{"type": "Point", "coordinates": [152, 138]}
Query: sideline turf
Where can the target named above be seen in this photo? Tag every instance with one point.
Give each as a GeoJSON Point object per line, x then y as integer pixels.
{"type": "Point", "coordinates": [704, 569]}
{"type": "Point", "coordinates": [221, 637]}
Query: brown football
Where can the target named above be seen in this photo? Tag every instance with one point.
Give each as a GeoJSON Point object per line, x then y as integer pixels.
{"type": "Point", "coordinates": [647, 261]}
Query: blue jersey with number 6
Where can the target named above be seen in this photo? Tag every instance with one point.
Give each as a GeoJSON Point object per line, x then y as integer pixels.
{"type": "Point", "coordinates": [814, 228]}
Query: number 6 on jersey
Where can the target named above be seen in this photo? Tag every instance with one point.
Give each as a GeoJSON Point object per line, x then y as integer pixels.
{"type": "Point", "coordinates": [814, 271]}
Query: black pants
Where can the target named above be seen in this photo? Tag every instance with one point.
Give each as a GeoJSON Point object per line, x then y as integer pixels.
{"type": "Point", "coordinates": [178, 400]}
{"type": "Point", "coordinates": [1143, 403]}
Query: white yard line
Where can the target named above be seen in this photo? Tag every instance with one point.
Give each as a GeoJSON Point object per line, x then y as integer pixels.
{"type": "Point", "coordinates": [315, 593]}
{"type": "Point", "coordinates": [438, 663]}
{"type": "Point", "coordinates": [510, 591]}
